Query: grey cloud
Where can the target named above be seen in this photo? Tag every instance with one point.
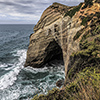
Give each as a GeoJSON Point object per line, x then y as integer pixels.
{"type": "Point", "coordinates": [7, 3]}
{"type": "Point", "coordinates": [18, 7]}
{"type": "Point", "coordinates": [25, 2]}
{"type": "Point", "coordinates": [25, 6]}
{"type": "Point", "coordinates": [31, 7]}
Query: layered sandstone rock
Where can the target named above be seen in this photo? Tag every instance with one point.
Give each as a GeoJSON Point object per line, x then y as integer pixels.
{"type": "Point", "coordinates": [44, 45]}
{"type": "Point", "coordinates": [54, 36]}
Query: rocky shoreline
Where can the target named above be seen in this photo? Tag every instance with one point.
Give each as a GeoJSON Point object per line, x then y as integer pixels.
{"type": "Point", "coordinates": [71, 32]}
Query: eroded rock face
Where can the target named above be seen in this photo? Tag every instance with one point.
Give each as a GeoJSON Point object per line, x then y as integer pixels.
{"type": "Point", "coordinates": [53, 35]}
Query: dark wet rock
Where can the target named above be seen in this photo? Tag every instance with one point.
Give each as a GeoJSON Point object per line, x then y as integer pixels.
{"type": "Point", "coordinates": [59, 83]}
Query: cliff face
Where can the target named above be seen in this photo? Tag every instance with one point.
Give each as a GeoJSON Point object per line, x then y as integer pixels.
{"type": "Point", "coordinates": [43, 43]}
{"type": "Point", "coordinates": [53, 36]}
{"type": "Point", "coordinates": [61, 31]}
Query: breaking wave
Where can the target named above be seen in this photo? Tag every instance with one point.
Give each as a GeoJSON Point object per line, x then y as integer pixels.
{"type": "Point", "coordinates": [10, 77]}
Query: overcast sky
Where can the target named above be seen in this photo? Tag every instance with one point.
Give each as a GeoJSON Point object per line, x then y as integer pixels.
{"type": "Point", "coordinates": [27, 11]}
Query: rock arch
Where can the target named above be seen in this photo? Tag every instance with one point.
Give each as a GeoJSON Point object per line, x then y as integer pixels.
{"type": "Point", "coordinates": [47, 47]}
{"type": "Point", "coordinates": [42, 52]}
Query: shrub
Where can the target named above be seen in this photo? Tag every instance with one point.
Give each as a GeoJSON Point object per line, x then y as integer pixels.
{"type": "Point", "coordinates": [84, 21]}
{"type": "Point", "coordinates": [78, 34]}
{"type": "Point", "coordinates": [86, 86]}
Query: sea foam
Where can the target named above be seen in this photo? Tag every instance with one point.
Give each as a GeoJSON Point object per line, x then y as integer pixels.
{"type": "Point", "coordinates": [10, 77]}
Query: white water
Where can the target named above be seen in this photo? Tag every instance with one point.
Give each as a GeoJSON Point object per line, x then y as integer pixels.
{"type": "Point", "coordinates": [21, 83]}
{"type": "Point", "coordinates": [10, 77]}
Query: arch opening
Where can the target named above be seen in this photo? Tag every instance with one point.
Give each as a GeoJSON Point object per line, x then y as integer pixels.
{"type": "Point", "coordinates": [53, 51]}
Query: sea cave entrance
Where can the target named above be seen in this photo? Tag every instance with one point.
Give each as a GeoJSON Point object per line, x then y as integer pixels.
{"type": "Point", "coordinates": [54, 52]}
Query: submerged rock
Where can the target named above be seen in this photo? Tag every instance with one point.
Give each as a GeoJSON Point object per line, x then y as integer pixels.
{"type": "Point", "coordinates": [59, 83]}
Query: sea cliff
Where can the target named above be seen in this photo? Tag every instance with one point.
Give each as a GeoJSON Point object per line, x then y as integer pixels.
{"type": "Point", "coordinates": [74, 33]}
{"type": "Point", "coordinates": [53, 36]}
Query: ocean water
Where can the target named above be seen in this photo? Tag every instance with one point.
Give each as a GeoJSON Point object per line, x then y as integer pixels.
{"type": "Point", "coordinates": [17, 82]}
